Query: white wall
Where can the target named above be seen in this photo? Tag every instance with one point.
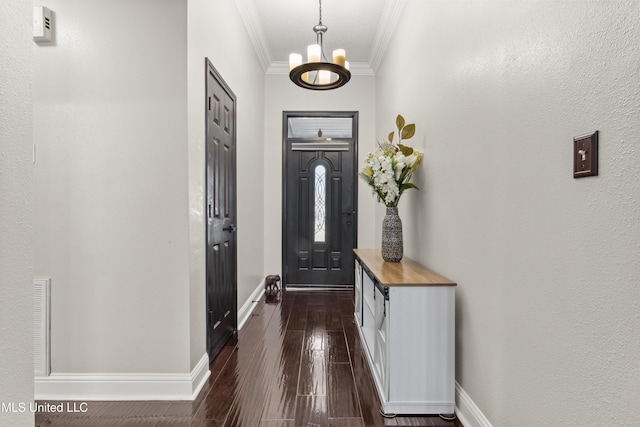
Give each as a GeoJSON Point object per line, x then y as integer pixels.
{"type": "Point", "coordinates": [16, 210]}
{"type": "Point", "coordinates": [283, 95]}
{"type": "Point", "coordinates": [548, 266]}
{"type": "Point", "coordinates": [119, 125]}
{"type": "Point", "coordinates": [216, 31]}
{"type": "Point", "coordinates": [110, 125]}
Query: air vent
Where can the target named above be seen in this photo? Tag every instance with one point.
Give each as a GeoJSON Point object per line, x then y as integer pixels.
{"type": "Point", "coordinates": [41, 326]}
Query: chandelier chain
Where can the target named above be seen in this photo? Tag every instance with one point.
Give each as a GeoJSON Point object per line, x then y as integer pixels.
{"type": "Point", "coordinates": [320, 8]}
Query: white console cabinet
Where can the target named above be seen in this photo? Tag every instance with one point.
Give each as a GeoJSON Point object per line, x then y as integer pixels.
{"type": "Point", "coordinates": [406, 318]}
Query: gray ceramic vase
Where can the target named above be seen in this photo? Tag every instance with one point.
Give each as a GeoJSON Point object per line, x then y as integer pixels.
{"type": "Point", "coordinates": [392, 245]}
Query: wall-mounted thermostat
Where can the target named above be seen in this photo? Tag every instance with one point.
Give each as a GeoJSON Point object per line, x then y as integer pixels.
{"type": "Point", "coordinates": [42, 24]}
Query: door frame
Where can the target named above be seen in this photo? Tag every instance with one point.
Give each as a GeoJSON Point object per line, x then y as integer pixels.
{"type": "Point", "coordinates": [210, 69]}
{"type": "Point", "coordinates": [285, 126]}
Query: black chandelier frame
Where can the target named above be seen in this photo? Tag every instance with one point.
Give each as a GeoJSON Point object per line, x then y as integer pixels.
{"type": "Point", "coordinates": [343, 74]}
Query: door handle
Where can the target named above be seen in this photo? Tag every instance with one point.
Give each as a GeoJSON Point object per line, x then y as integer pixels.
{"type": "Point", "coordinates": [232, 228]}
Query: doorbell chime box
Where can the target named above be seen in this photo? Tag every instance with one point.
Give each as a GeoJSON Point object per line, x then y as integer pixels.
{"type": "Point", "coordinates": [42, 24]}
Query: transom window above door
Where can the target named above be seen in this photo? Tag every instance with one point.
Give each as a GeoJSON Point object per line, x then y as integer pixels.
{"type": "Point", "coordinates": [320, 127]}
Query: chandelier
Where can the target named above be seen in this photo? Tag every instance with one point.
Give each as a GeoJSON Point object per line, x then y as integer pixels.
{"type": "Point", "coordinates": [318, 73]}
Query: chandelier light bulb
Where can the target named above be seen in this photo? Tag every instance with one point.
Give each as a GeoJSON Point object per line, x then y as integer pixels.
{"type": "Point", "coordinates": [314, 53]}
{"type": "Point", "coordinates": [295, 59]}
{"type": "Point", "coordinates": [324, 77]}
{"type": "Point", "coordinates": [339, 56]}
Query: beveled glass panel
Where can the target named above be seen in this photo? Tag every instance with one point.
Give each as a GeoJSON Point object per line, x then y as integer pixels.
{"type": "Point", "coordinates": [320, 203]}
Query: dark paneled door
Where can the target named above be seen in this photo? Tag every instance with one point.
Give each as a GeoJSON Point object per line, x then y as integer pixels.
{"type": "Point", "coordinates": [319, 198]}
{"type": "Point", "coordinates": [221, 275]}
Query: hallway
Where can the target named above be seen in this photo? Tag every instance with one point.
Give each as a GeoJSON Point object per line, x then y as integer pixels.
{"type": "Point", "coordinates": [297, 362]}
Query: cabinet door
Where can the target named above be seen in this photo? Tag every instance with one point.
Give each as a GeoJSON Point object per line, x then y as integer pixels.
{"type": "Point", "coordinates": [368, 313]}
{"type": "Point", "coordinates": [358, 293]}
{"type": "Point", "coordinates": [380, 331]}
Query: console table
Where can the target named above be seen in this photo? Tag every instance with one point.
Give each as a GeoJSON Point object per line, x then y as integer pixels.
{"type": "Point", "coordinates": [406, 319]}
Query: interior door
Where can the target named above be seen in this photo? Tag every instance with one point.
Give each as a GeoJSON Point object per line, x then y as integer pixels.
{"type": "Point", "coordinates": [320, 210]}
{"type": "Point", "coordinates": [221, 275]}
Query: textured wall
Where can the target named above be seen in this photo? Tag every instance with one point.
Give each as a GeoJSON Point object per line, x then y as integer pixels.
{"type": "Point", "coordinates": [16, 210]}
{"type": "Point", "coordinates": [548, 266]}
{"type": "Point", "coordinates": [110, 124]}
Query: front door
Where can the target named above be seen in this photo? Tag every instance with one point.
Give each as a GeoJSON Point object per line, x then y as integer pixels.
{"type": "Point", "coordinates": [319, 220]}
{"type": "Point", "coordinates": [221, 255]}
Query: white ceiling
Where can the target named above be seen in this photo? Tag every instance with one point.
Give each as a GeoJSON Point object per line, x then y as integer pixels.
{"type": "Point", "coordinates": [280, 27]}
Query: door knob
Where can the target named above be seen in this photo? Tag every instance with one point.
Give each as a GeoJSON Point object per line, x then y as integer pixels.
{"type": "Point", "coordinates": [232, 228]}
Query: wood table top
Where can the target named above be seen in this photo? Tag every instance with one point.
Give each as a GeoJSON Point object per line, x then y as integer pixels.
{"type": "Point", "coordinates": [404, 273]}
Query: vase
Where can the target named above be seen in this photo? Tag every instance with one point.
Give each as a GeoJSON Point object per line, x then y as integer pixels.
{"type": "Point", "coordinates": [392, 245]}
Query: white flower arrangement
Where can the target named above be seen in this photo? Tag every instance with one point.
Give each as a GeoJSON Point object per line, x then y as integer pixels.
{"type": "Point", "coordinates": [389, 169]}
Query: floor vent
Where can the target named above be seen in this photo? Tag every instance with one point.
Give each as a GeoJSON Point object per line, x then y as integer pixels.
{"type": "Point", "coordinates": [42, 326]}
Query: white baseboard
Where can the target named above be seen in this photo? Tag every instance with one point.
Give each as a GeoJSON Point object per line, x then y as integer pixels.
{"type": "Point", "coordinates": [199, 376]}
{"type": "Point", "coordinates": [467, 411]}
{"type": "Point", "coordinates": [123, 386]}
{"type": "Point", "coordinates": [60, 386]}
{"type": "Point", "coordinates": [249, 305]}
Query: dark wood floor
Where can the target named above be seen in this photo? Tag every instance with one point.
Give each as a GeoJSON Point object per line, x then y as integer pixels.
{"type": "Point", "coordinates": [297, 362]}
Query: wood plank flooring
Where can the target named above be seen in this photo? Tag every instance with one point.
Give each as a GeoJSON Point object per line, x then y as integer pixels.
{"type": "Point", "coordinates": [297, 362]}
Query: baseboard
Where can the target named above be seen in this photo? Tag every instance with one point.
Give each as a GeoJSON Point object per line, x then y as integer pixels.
{"type": "Point", "coordinates": [123, 386]}
{"type": "Point", "coordinates": [60, 386]}
{"type": "Point", "coordinates": [199, 376]}
{"type": "Point", "coordinates": [467, 411]}
{"type": "Point", "coordinates": [249, 305]}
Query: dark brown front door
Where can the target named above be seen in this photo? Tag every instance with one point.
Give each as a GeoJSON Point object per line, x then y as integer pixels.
{"type": "Point", "coordinates": [319, 198]}
{"type": "Point", "coordinates": [221, 255]}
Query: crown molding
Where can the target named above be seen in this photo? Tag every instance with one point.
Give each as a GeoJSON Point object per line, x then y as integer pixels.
{"type": "Point", "coordinates": [252, 23]}
{"type": "Point", "coordinates": [388, 21]}
{"type": "Point", "coordinates": [387, 25]}
{"type": "Point", "coordinates": [356, 68]}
